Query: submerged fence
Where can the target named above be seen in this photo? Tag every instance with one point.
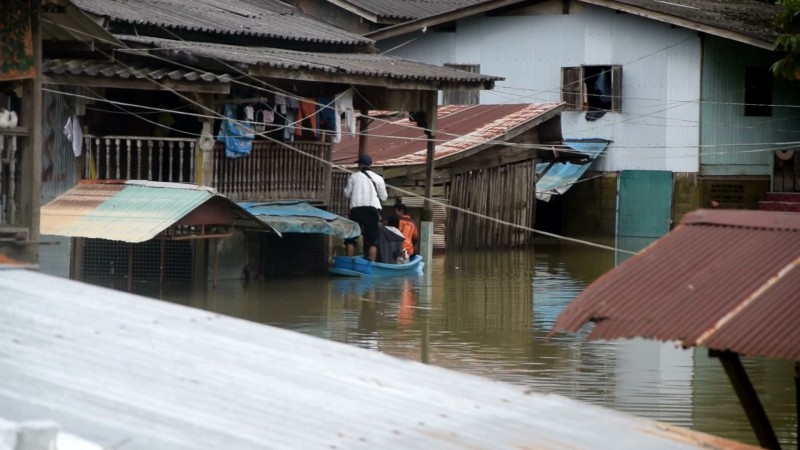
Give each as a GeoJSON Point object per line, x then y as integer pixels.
{"type": "Point", "coordinates": [506, 193]}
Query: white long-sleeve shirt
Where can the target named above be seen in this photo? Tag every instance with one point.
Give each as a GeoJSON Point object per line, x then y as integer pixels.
{"type": "Point", "coordinates": [361, 192]}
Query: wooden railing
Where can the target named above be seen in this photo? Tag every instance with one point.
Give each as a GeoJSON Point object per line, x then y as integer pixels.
{"type": "Point", "coordinates": [139, 158]}
{"type": "Point", "coordinates": [10, 143]}
{"type": "Point", "coordinates": [275, 172]}
{"type": "Point", "coordinates": [271, 171]}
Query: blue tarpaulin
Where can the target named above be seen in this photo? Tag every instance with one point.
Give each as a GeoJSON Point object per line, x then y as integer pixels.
{"type": "Point", "coordinates": [301, 217]}
{"type": "Point", "coordinates": [561, 176]}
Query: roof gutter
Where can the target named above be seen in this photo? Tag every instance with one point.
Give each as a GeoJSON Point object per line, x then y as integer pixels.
{"type": "Point", "coordinates": [428, 22]}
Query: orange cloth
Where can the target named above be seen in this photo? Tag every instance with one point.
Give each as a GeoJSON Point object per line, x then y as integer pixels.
{"type": "Point", "coordinates": [306, 117]}
{"type": "Point", "coordinates": [410, 231]}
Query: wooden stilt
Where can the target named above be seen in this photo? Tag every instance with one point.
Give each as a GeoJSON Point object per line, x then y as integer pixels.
{"type": "Point", "coordinates": [130, 267]}
{"type": "Point", "coordinates": [797, 399]}
{"type": "Point", "coordinates": [216, 264]}
{"type": "Point", "coordinates": [748, 397]}
{"type": "Point", "coordinates": [161, 272]}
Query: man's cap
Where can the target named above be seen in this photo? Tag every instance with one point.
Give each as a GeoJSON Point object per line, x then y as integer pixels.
{"type": "Point", "coordinates": [364, 160]}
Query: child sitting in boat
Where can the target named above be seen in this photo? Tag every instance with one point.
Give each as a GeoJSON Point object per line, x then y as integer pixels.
{"type": "Point", "coordinates": [390, 243]}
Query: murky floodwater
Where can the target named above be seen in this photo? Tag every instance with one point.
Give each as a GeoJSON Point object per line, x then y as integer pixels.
{"type": "Point", "coordinates": [488, 313]}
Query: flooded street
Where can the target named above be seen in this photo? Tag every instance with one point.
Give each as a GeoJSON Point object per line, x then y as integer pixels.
{"type": "Point", "coordinates": [489, 313]}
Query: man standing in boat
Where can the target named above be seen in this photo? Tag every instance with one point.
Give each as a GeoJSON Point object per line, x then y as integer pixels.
{"type": "Point", "coordinates": [365, 189]}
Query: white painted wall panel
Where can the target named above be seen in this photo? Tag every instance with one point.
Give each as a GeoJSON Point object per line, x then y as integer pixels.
{"type": "Point", "coordinates": [658, 126]}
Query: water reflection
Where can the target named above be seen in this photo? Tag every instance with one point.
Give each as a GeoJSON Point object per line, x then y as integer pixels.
{"type": "Point", "coordinates": [488, 313]}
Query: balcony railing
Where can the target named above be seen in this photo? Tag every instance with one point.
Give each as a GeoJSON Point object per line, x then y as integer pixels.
{"type": "Point", "coordinates": [139, 158]}
{"type": "Point", "coordinates": [275, 172]}
{"type": "Point", "coordinates": [271, 172]}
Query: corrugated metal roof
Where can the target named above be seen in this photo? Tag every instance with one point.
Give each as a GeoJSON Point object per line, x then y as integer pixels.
{"type": "Point", "coordinates": [750, 21]}
{"type": "Point", "coordinates": [302, 217]}
{"type": "Point", "coordinates": [459, 128]}
{"type": "Point", "coordinates": [410, 9]}
{"type": "Point", "coordinates": [751, 18]}
{"type": "Point", "coordinates": [126, 71]}
{"type": "Point", "coordinates": [259, 18]}
{"type": "Point", "coordinates": [72, 24]}
{"type": "Point", "coordinates": [560, 177]}
{"type": "Point", "coordinates": [368, 64]}
{"type": "Point", "coordinates": [129, 211]}
{"type": "Point", "coordinates": [724, 279]}
{"type": "Point", "coordinates": [129, 372]}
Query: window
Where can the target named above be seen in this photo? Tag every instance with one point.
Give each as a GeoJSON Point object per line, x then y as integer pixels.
{"type": "Point", "coordinates": [462, 96]}
{"type": "Point", "coordinates": [757, 92]}
{"type": "Point", "coordinates": [592, 88]}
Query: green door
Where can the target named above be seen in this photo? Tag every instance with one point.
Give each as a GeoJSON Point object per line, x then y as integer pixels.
{"type": "Point", "coordinates": [645, 206]}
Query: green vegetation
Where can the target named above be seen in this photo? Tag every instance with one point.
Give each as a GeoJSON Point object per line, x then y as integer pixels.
{"type": "Point", "coordinates": [788, 24]}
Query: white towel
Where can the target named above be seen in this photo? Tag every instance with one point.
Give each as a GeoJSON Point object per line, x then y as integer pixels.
{"type": "Point", "coordinates": [74, 134]}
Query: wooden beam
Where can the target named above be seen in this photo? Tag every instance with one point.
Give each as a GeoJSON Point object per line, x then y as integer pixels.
{"type": "Point", "coordinates": [748, 397]}
{"type": "Point", "coordinates": [145, 85]}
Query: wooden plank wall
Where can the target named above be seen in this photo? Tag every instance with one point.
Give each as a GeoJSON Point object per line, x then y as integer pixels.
{"type": "Point", "coordinates": [505, 193]}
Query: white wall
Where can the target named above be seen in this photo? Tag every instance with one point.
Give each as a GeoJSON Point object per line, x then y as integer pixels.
{"type": "Point", "coordinates": [658, 128]}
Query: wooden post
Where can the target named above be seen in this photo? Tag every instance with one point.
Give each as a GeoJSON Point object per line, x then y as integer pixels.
{"type": "Point", "coordinates": [747, 397]}
{"type": "Point", "coordinates": [216, 264]}
{"type": "Point", "coordinates": [161, 272]}
{"type": "Point", "coordinates": [30, 187]}
{"type": "Point", "coordinates": [76, 258]}
{"type": "Point", "coordinates": [426, 224]}
{"type": "Point", "coordinates": [797, 399]}
{"type": "Point", "coordinates": [363, 128]}
{"type": "Point", "coordinates": [130, 267]}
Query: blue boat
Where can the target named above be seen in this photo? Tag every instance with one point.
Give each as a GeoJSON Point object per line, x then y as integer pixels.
{"type": "Point", "coordinates": [358, 266]}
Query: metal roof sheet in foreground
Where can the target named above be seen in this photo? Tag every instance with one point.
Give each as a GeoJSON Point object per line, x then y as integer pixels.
{"type": "Point", "coordinates": [128, 372]}
{"type": "Point", "coordinates": [723, 279]}
{"type": "Point", "coordinates": [127, 211]}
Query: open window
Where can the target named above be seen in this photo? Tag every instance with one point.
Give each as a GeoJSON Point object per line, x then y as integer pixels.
{"type": "Point", "coordinates": [592, 88]}
{"type": "Point", "coordinates": [757, 92]}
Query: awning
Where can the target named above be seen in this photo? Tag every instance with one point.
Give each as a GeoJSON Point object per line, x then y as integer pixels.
{"type": "Point", "coordinates": [137, 211]}
{"type": "Point", "coordinates": [557, 178]}
{"type": "Point", "coordinates": [301, 217]}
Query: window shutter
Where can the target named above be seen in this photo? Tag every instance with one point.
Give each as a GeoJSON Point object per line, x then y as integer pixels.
{"type": "Point", "coordinates": [572, 87]}
{"type": "Point", "coordinates": [616, 88]}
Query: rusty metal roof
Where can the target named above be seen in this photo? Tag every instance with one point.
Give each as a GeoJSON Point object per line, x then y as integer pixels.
{"type": "Point", "coordinates": [459, 128]}
{"type": "Point", "coordinates": [127, 211]}
{"type": "Point", "coordinates": [748, 21]}
{"type": "Point", "coordinates": [127, 71]}
{"type": "Point", "coordinates": [263, 18]}
{"type": "Point", "coordinates": [723, 279]}
{"type": "Point", "coordinates": [366, 64]}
